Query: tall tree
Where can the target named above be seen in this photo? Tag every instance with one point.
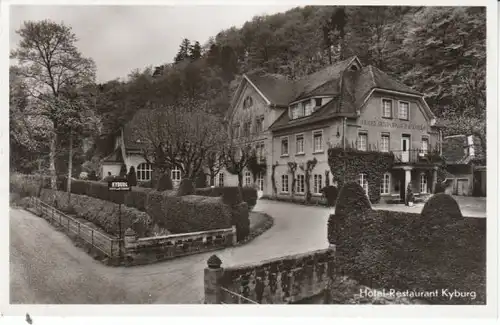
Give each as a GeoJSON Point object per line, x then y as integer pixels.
{"type": "Point", "coordinates": [49, 61]}
{"type": "Point", "coordinates": [184, 51]}
{"type": "Point", "coordinates": [195, 51]}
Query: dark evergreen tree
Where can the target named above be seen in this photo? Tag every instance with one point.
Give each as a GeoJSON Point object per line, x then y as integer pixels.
{"type": "Point", "coordinates": [123, 171]}
{"type": "Point", "coordinates": [195, 51]}
{"type": "Point", "coordinates": [184, 51]}
{"type": "Point", "coordinates": [132, 177]}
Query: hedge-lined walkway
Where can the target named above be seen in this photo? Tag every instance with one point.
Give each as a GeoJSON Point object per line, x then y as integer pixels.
{"type": "Point", "coordinates": [47, 268]}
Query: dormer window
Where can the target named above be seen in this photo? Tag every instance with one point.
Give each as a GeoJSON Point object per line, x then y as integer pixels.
{"type": "Point", "coordinates": [354, 68]}
{"type": "Point", "coordinates": [318, 101]}
{"type": "Point", "coordinates": [248, 102]}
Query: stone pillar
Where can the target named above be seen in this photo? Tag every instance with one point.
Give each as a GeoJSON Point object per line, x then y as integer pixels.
{"type": "Point", "coordinates": [434, 180]}
{"type": "Point", "coordinates": [130, 238]}
{"type": "Point", "coordinates": [407, 179]}
{"type": "Point", "coordinates": [212, 279]}
{"type": "Point", "coordinates": [234, 235]}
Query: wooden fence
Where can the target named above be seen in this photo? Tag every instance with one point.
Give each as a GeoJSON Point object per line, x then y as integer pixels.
{"type": "Point", "coordinates": [104, 243]}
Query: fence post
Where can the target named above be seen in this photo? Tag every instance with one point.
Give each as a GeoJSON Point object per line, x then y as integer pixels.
{"type": "Point", "coordinates": [68, 225]}
{"type": "Point", "coordinates": [92, 234]}
{"type": "Point", "coordinates": [129, 240]}
{"type": "Point", "coordinates": [234, 235]}
{"type": "Point", "coordinates": [78, 228]}
{"type": "Point", "coordinates": [212, 279]}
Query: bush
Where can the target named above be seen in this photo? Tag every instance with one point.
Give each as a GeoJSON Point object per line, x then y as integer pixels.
{"type": "Point", "coordinates": [240, 217]}
{"type": "Point", "coordinates": [353, 198]}
{"type": "Point", "coordinates": [440, 209]}
{"type": "Point", "coordinates": [188, 213]}
{"type": "Point", "coordinates": [93, 176]}
{"type": "Point", "coordinates": [132, 177]}
{"type": "Point", "coordinates": [123, 171]}
{"type": "Point", "coordinates": [440, 187]}
{"type": "Point", "coordinates": [26, 185]}
{"type": "Point", "coordinates": [409, 194]}
{"type": "Point", "coordinates": [103, 214]}
{"type": "Point", "coordinates": [390, 249]}
{"type": "Point", "coordinates": [200, 180]}
{"type": "Point", "coordinates": [330, 193]}
{"type": "Point", "coordinates": [249, 195]}
{"type": "Point", "coordinates": [165, 183]}
{"type": "Point", "coordinates": [185, 187]}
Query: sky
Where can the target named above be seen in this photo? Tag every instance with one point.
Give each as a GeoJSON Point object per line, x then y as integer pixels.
{"type": "Point", "coordinates": [123, 38]}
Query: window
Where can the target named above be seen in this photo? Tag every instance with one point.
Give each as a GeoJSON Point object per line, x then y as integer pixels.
{"type": "Point", "coordinates": [470, 145]}
{"type": "Point", "coordinates": [385, 186]}
{"type": "Point", "coordinates": [318, 141]}
{"type": "Point", "coordinates": [362, 139]}
{"type": "Point", "coordinates": [425, 146]}
{"type": "Point", "coordinates": [284, 146]}
{"type": "Point", "coordinates": [363, 181]}
{"type": "Point", "coordinates": [297, 110]}
{"type": "Point", "coordinates": [318, 102]}
{"type": "Point", "coordinates": [299, 144]}
{"type": "Point", "coordinates": [284, 183]}
{"type": "Point", "coordinates": [246, 129]}
{"type": "Point", "coordinates": [248, 102]}
{"type": "Point", "coordinates": [248, 179]}
{"type": "Point", "coordinates": [175, 174]}
{"type": "Point", "coordinates": [259, 124]}
{"type": "Point", "coordinates": [404, 108]}
{"type": "Point", "coordinates": [221, 179]}
{"type": "Point", "coordinates": [423, 183]}
{"type": "Point", "coordinates": [384, 144]}
{"type": "Point", "coordinates": [260, 151]}
{"type": "Point", "coordinates": [318, 183]}
{"type": "Point", "coordinates": [300, 184]}
{"type": "Point", "coordinates": [144, 171]}
{"type": "Point", "coordinates": [387, 108]}
{"type": "Point", "coordinates": [308, 107]}
{"type": "Point", "coordinates": [236, 130]}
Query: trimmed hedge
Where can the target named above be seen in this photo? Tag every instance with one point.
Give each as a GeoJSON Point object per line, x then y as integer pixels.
{"type": "Point", "coordinates": [165, 183]}
{"type": "Point", "coordinates": [249, 195]}
{"type": "Point", "coordinates": [103, 214]}
{"type": "Point", "coordinates": [186, 187]}
{"type": "Point", "coordinates": [26, 185]}
{"type": "Point", "coordinates": [351, 198]}
{"type": "Point", "coordinates": [330, 192]}
{"type": "Point", "coordinates": [440, 209]}
{"type": "Point", "coordinates": [240, 217]}
{"type": "Point", "coordinates": [404, 251]}
{"type": "Point", "coordinates": [188, 213]}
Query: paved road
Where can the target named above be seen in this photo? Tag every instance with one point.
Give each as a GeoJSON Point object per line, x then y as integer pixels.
{"type": "Point", "coordinates": [46, 268]}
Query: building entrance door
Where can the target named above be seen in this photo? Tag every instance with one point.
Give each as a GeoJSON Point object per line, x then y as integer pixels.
{"type": "Point", "coordinates": [405, 148]}
{"type": "Point", "coordinates": [260, 184]}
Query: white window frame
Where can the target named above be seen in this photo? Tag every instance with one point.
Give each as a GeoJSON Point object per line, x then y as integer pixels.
{"type": "Point", "coordinates": [385, 187]}
{"type": "Point", "coordinates": [287, 146]}
{"type": "Point", "coordinates": [425, 150]}
{"type": "Point", "coordinates": [317, 183]}
{"type": "Point", "coordinates": [301, 185]}
{"type": "Point", "coordinates": [314, 133]}
{"type": "Point", "coordinates": [175, 175]}
{"type": "Point", "coordinates": [285, 183]}
{"type": "Point", "coordinates": [363, 182]}
{"type": "Point", "coordinates": [407, 112]}
{"type": "Point", "coordinates": [383, 100]}
{"type": "Point", "coordinates": [365, 134]}
{"type": "Point", "coordinates": [382, 136]}
{"type": "Point", "coordinates": [423, 189]}
{"type": "Point", "coordinates": [220, 179]}
{"type": "Point", "coordinates": [248, 178]}
{"type": "Point", "coordinates": [144, 172]}
{"type": "Point", "coordinates": [297, 152]}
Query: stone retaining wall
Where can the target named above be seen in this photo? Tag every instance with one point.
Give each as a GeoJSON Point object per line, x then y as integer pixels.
{"type": "Point", "coordinates": [153, 249]}
{"type": "Point", "coordinates": [284, 280]}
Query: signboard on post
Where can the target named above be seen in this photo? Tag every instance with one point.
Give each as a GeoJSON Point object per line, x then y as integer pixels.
{"type": "Point", "coordinates": [119, 185]}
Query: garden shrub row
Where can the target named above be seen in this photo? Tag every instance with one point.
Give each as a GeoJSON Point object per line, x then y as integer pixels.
{"type": "Point", "coordinates": [435, 250]}
{"type": "Point", "coordinates": [103, 214]}
{"type": "Point", "coordinates": [231, 194]}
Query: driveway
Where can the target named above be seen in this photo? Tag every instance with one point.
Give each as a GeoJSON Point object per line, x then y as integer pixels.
{"type": "Point", "coordinates": [46, 267]}
{"type": "Point", "coordinates": [470, 206]}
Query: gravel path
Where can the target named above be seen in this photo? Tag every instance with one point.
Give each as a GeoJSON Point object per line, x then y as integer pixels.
{"type": "Point", "coordinates": [46, 267]}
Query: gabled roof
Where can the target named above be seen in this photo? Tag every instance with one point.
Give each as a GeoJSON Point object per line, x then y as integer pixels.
{"type": "Point", "coordinates": [114, 157]}
{"type": "Point", "coordinates": [276, 88]}
{"type": "Point", "coordinates": [349, 88]}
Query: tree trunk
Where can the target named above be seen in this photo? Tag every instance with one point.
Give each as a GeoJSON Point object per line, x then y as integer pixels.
{"type": "Point", "coordinates": [52, 161]}
{"type": "Point", "coordinates": [240, 179]}
{"type": "Point", "coordinates": [70, 164]}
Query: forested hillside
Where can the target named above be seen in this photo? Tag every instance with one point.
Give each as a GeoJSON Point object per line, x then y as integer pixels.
{"type": "Point", "coordinates": [440, 51]}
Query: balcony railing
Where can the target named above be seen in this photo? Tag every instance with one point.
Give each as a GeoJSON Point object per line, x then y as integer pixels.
{"type": "Point", "coordinates": [415, 156]}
